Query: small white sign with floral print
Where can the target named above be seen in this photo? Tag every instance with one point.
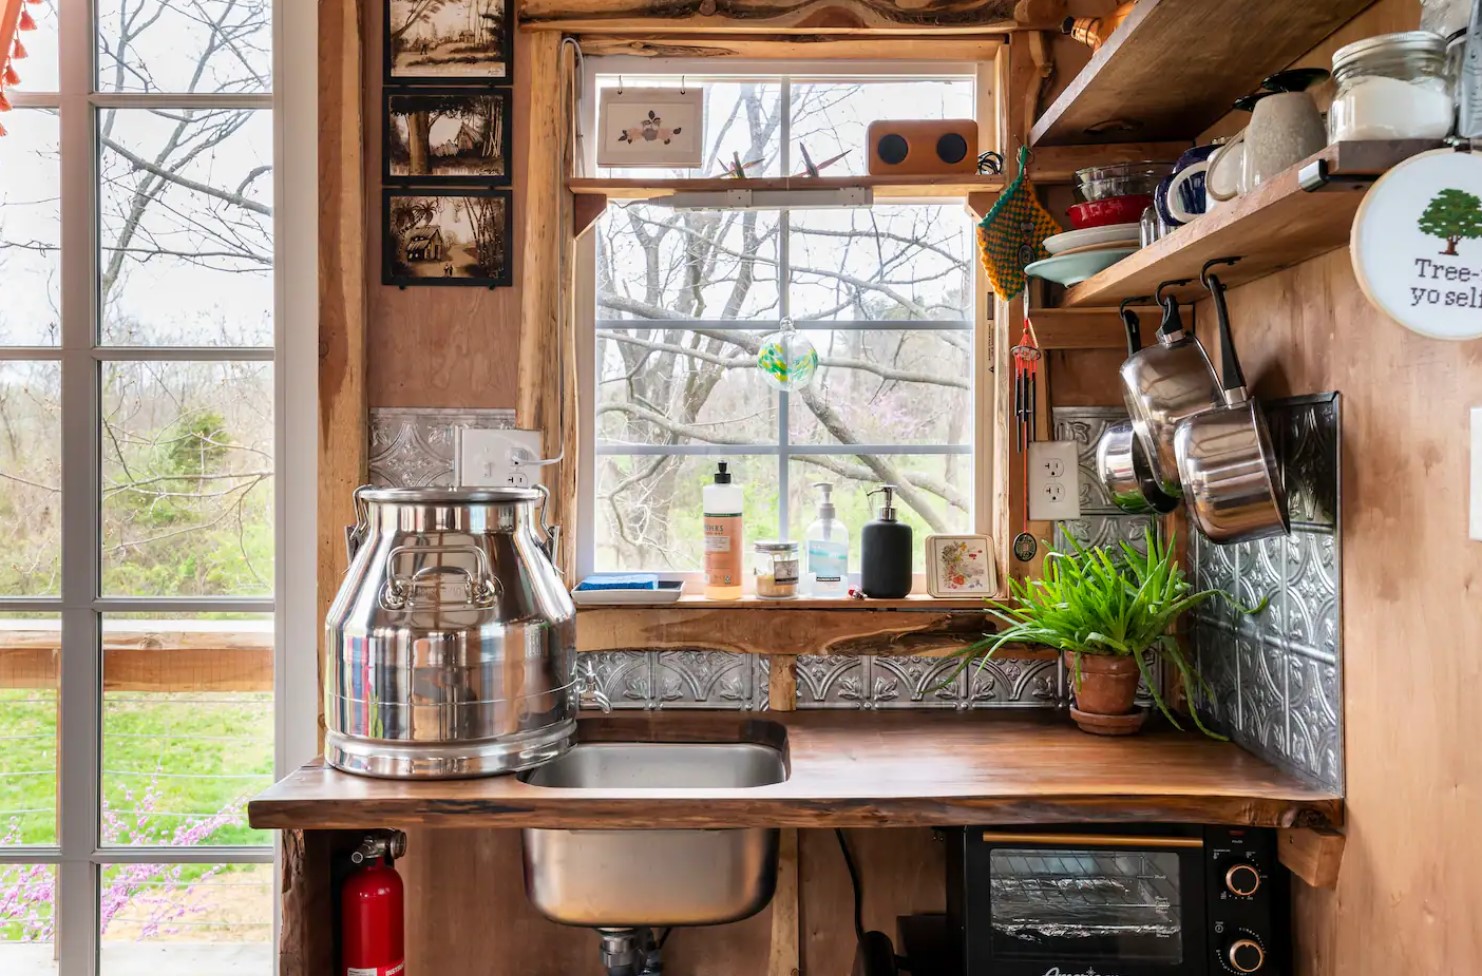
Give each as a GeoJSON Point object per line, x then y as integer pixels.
{"type": "Point", "coordinates": [960, 565]}
{"type": "Point", "coordinates": [651, 127]}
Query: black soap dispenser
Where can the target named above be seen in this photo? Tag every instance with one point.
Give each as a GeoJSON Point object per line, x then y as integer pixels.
{"type": "Point", "coordinates": [885, 553]}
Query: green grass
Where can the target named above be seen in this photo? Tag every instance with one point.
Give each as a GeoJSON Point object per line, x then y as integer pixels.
{"type": "Point", "coordinates": [169, 761]}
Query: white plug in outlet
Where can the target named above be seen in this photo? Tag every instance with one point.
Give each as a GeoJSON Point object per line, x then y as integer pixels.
{"type": "Point", "coordinates": [1054, 481]}
{"type": "Point", "coordinates": [485, 458]}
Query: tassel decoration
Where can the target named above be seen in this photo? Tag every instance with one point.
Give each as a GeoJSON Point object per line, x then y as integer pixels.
{"type": "Point", "coordinates": [4, 103]}
{"type": "Point", "coordinates": [11, 78]}
{"type": "Point", "coordinates": [27, 22]}
{"type": "Point", "coordinates": [3, 133]}
{"type": "Point", "coordinates": [19, 51]}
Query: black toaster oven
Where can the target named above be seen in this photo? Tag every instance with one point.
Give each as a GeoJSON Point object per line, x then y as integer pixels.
{"type": "Point", "coordinates": [1172, 900]}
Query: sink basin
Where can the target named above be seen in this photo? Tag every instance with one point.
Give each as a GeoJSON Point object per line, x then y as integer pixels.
{"type": "Point", "coordinates": [634, 878]}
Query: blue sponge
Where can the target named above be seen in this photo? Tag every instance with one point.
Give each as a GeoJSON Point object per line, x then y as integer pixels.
{"type": "Point", "coordinates": [620, 581]}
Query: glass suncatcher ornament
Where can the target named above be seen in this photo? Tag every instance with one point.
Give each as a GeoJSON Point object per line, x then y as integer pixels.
{"type": "Point", "coordinates": [787, 359]}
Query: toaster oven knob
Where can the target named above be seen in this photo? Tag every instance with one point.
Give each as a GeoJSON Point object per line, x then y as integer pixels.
{"type": "Point", "coordinates": [1243, 880]}
{"type": "Point", "coordinates": [1246, 956]}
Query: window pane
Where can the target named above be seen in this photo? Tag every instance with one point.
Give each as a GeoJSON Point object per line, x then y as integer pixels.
{"type": "Point", "coordinates": [649, 512]}
{"type": "Point", "coordinates": [187, 727]}
{"type": "Point", "coordinates": [186, 920]}
{"type": "Point", "coordinates": [654, 263]}
{"type": "Point", "coordinates": [187, 479]}
{"type": "Point", "coordinates": [199, 46]}
{"type": "Point", "coordinates": [30, 229]}
{"type": "Point", "coordinates": [882, 387]}
{"type": "Point", "coordinates": [831, 117]}
{"type": "Point", "coordinates": [936, 495]}
{"type": "Point", "coordinates": [743, 119]}
{"type": "Point", "coordinates": [885, 263]}
{"type": "Point", "coordinates": [28, 896]}
{"type": "Point", "coordinates": [682, 387]}
{"type": "Point", "coordinates": [30, 479]}
{"type": "Point", "coordinates": [30, 647]}
{"type": "Point", "coordinates": [186, 227]}
{"type": "Point", "coordinates": [38, 70]}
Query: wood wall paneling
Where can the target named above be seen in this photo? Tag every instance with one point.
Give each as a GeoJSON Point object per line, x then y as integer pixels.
{"type": "Point", "coordinates": [438, 346]}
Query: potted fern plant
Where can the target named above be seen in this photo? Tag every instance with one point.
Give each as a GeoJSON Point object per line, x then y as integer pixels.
{"type": "Point", "coordinates": [1109, 613]}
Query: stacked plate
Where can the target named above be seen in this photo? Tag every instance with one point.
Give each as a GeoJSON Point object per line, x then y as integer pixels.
{"type": "Point", "coordinates": [1080, 254]}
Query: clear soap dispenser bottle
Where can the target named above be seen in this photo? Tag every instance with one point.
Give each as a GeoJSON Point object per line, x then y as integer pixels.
{"type": "Point", "coordinates": [885, 552]}
{"type": "Point", "coordinates": [827, 547]}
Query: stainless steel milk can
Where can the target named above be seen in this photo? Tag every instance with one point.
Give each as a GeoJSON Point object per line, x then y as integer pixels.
{"type": "Point", "coordinates": [450, 650]}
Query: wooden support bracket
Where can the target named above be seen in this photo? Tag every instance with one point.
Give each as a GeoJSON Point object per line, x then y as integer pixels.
{"type": "Point", "coordinates": [1313, 854]}
{"type": "Point", "coordinates": [586, 210]}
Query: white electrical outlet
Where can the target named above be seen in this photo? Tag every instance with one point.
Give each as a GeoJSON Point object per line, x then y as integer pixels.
{"type": "Point", "coordinates": [485, 458]}
{"type": "Point", "coordinates": [1054, 481]}
{"type": "Point", "coordinates": [1477, 473]}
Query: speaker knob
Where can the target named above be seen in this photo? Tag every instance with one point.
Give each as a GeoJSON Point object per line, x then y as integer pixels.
{"type": "Point", "coordinates": [1246, 956]}
{"type": "Point", "coordinates": [1243, 880]}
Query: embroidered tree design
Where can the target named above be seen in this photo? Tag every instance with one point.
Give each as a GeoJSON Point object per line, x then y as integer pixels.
{"type": "Point", "coordinates": [1453, 215]}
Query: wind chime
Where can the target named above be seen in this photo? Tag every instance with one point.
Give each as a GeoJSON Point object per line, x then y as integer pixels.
{"type": "Point", "coordinates": [14, 18]}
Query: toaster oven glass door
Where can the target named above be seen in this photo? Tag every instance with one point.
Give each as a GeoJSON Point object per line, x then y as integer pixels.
{"type": "Point", "coordinates": [1087, 904]}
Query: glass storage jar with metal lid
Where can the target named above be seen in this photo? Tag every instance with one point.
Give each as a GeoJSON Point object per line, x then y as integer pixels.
{"type": "Point", "coordinates": [1393, 86]}
{"type": "Point", "coordinates": [775, 569]}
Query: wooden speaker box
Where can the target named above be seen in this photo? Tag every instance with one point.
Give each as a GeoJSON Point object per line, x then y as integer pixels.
{"type": "Point", "coordinates": [905, 148]}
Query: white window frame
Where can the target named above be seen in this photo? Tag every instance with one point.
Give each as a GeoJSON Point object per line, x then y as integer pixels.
{"type": "Point", "coordinates": [79, 857]}
{"type": "Point", "coordinates": [702, 70]}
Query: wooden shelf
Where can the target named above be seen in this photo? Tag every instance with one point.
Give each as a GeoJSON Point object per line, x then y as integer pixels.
{"type": "Point", "coordinates": [1277, 225]}
{"type": "Point", "coordinates": [887, 187]}
{"type": "Point", "coordinates": [850, 769]}
{"type": "Point", "coordinates": [1173, 67]}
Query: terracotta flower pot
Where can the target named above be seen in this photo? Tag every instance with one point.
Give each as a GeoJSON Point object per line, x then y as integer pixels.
{"type": "Point", "coordinates": [1105, 693]}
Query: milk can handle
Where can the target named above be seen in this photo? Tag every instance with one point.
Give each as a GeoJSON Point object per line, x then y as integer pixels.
{"type": "Point", "coordinates": [552, 540]}
{"type": "Point", "coordinates": [479, 591]}
{"type": "Point", "coordinates": [355, 534]}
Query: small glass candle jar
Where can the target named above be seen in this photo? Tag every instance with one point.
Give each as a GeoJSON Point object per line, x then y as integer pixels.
{"type": "Point", "coordinates": [1392, 87]}
{"type": "Point", "coordinates": [775, 569]}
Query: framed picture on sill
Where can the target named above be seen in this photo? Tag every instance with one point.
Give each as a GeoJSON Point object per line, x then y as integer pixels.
{"type": "Point", "coordinates": [441, 42]}
{"type": "Point", "coordinates": [446, 237]}
{"type": "Point", "coordinates": [437, 136]}
{"type": "Point", "coordinates": [960, 565]}
{"type": "Point", "coordinates": [651, 127]}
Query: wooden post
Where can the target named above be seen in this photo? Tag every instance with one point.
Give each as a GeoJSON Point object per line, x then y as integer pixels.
{"type": "Point", "coordinates": [785, 958]}
{"type": "Point", "coordinates": [343, 405]}
{"type": "Point", "coordinates": [547, 345]}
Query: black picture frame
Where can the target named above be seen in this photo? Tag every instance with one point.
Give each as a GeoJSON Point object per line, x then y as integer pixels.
{"type": "Point", "coordinates": [393, 45]}
{"type": "Point", "coordinates": [503, 97]}
{"type": "Point", "coordinates": [396, 268]}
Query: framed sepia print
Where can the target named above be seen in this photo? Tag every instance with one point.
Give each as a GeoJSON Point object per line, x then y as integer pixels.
{"type": "Point", "coordinates": [446, 237]}
{"type": "Point", "coordinates": [960, 565]}
{"type": "Point", "coordinates": [449, 41]}
{"type": "Point", "coordinates": [446, 135]}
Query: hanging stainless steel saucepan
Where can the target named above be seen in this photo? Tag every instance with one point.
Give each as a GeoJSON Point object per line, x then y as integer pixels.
{"type": "Point", "coordinates": [1225, 455]}
{"type": "Point", "coordinates": [1121, 462]}
{"type": "Point", "coordinates": [1162, 385]}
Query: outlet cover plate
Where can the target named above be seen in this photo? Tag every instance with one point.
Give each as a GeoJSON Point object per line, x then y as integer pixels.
{"type": "Point", "coordinates": [1054, 481]}
{"type": "Point", "coordinates": [485, 458]}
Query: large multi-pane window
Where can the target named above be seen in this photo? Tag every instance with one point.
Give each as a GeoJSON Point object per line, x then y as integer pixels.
{"type": "Point", "coordinates": [138, 468]}
{"type": "Point", "coordinates": [682, 299]}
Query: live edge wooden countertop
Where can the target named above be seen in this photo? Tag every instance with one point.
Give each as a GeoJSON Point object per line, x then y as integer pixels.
{"type": "Point", "coordinates": [849, 769]}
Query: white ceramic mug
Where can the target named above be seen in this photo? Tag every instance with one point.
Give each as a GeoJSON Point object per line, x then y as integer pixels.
{"type": "Point", "coordinates": [1284, 130]}
{"type": "Point", "coordinates": [1223, 181]}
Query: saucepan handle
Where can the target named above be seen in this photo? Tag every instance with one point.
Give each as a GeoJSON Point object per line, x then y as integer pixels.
{"type": "Point", "coordinates": [1232, 376]}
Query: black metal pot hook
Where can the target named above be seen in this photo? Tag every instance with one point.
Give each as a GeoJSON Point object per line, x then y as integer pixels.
{"type": "Point", "coordinates": [1204, 277]}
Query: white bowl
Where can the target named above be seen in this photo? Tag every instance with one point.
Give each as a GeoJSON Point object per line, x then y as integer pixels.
{"type": "Point", "coordinates": [1111, 234]}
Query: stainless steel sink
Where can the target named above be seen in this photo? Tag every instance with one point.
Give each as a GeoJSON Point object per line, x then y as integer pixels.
{"type": "Point", "coordinates": [634, 878]}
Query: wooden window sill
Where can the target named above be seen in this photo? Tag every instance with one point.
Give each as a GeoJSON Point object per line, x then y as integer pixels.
{"type": "Point", "coordinates": [751, 602]}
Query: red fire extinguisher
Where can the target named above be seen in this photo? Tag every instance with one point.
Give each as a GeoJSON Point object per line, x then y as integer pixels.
{"type": "Point", "coordinates": [371, 909]}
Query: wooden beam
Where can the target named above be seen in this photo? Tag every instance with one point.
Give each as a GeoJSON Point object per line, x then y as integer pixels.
{"type": "Point", "coordinates": [149, 669]}
{"type": "Point", "coordinates": [784, 958]}
{"type": "Point", "coordinates": [1313, 854]}
{"type": "Point", "coordinates": [750, 630]}
{"type": "Point", "coordinates": [547, 375]}
{"type": "Point", "coordinates": [800, 47]}
{"type": "Point", "coordinates": [769, 17]}
{"type": "Point", "coordinates": [909, 187]}
{"type": "Point", "coordinates": [343, 406]}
